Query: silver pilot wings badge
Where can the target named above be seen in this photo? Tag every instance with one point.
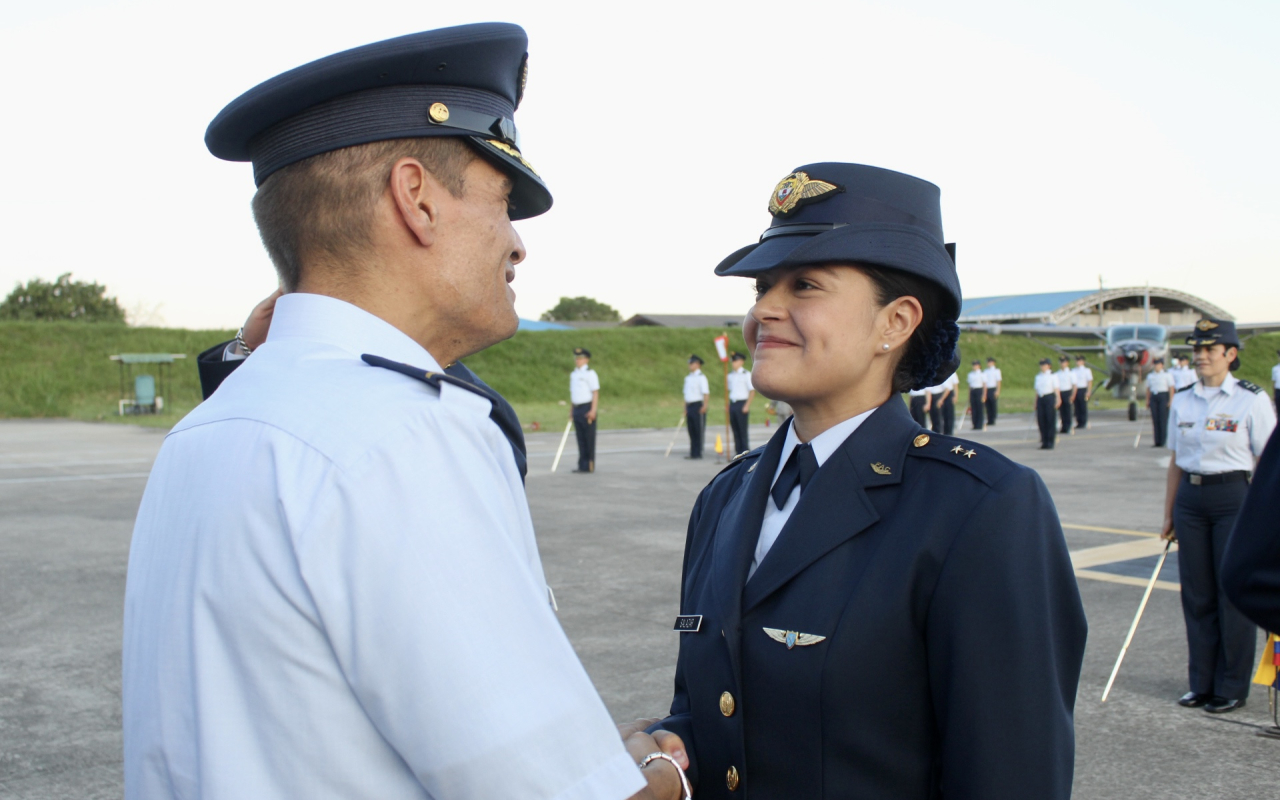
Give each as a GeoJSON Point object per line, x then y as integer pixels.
{"type": "Point", "coordinates": [793, 638]}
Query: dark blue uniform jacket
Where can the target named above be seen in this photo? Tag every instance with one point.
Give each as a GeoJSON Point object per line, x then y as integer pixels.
{"type": "Point", "coordinates": [214, 370]}
{"type": "Point", "coordinates": [953, 624]}
{"type": "Point", "coordinates": [1251, 564]}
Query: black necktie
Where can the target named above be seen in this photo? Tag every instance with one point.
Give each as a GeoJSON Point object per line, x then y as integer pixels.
{"type": "Point", "coordinates": [800, 468]}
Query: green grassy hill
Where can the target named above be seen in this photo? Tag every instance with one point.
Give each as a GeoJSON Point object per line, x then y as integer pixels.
{"type": "Point", "coordinates": [50, 369]}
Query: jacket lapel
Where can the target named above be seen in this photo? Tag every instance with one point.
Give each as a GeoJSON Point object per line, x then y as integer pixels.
{"type": "Point", "coordinates": [834, 507]}
{"type": "Point", "coordinates": [737, 532]}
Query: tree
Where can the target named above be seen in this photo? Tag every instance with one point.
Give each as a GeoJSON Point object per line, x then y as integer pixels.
{"type": "Point", "coordinates": [61, 300]}
{"type": "Point", "coordinates": [581, 309]}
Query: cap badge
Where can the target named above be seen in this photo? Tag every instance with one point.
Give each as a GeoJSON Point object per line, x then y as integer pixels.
{"type": "Point", "coordinates": [798, 189]}
{"type": "Point", "coordinates": [511, 151]}
{"type": "Point", "coordinates": [881, 469]}
{"type": "Point", "coordinates": [438, 112]}
{"type": "Point", "coordinates": [1206, 325]}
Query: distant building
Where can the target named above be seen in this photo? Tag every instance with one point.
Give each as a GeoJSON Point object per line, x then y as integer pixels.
{"type": "Point", "coordinates": [539, 325]}
{"type": "Point", "coordinates": [684, 321]}
{"type": "Point", "coordinates": [1091, 308]}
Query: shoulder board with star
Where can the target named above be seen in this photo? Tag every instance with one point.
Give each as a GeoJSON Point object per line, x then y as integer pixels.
{"type": "Point", "coordinates": [1250, 385]}
{"type": "Point", "coordinates": [984, 463]}
{"type": "Point", "coordinates": [429, 377]}
{"type": "Point", "coordinates": [739, 460]}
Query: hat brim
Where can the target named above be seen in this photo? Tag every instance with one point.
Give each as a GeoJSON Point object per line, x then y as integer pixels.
{"type": "Point", "coordinates": [892, 246]}
{"type": "Point", "coordinates": [529, 195]}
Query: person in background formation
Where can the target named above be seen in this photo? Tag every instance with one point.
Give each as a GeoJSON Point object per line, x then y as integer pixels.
{"type": "Point", "coordinates": [697, 393]}
{"type": "Point", "coordinates": [1084, 391]}
{"type": "Point", "coordinates": [919, 399]}
{"type": "Point", "coordinates": [740, 394]}
{"type": "Point", "coordinates": [977, 395]}
{"type": "Point", "coordinates": [993, 377]}
{"type": "Point", "coordinates": [1159, 396]}
{"type": "Point", "coordinates": [1048, 400]}
{"type": "Point", "coordinates": [1067, 393]}
{"type": "Point", "coordinates": [1217, 428]}
{"type": "Point", "coordinates": [938, 397]}
{"type": "Point", "coordinates": [584, 394]}
{"type": "Point", "coordinates": [317, 540]}
{"type": "Point", "coordinates": [1184, 375]}
{"type": "Point", "coordinates": [949, 404]}
{"type": "Point", "coordinates": [1275, 382]}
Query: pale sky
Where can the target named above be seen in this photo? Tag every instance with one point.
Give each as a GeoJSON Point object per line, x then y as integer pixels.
{"type": "Point", "coordinates": [1132, 140]}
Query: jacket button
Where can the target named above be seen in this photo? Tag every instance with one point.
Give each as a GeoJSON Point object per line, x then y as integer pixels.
{"type": "Point", "coordinates": [727, 705]}
{"type": "Point", "coordinates": [731, 779]}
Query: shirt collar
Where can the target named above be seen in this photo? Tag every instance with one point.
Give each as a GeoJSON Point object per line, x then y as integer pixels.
{"type": "Point", "coordinates": [824, 444]}
{"type": "Point", "coordinates": [1228, 387]}
{"type": "Point", "coordinates": [696, 371]}
{"type": "Point", "coordinates": [337, 323]}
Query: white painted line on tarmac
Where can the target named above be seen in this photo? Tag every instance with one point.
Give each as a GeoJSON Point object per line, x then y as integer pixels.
{"type": "Point", "coordinates": [65, 464]}
{"type": "Point", "coordinates": [1126, 580]}
{"type": "Point", "coordinates": [68, 478]}
{"type": "Point", "coordinates": [1111, 553]}
{"type": "Point", "coordinates": [1124, 531]}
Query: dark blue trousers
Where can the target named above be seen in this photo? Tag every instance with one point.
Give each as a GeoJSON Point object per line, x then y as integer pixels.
{"type": "Point", "coordinates": [1082, 409]}
{"type": "Point", "coordinates": [976, 408]}
{"type": "Point", "coordinates": [918, 413]}
{"type": "Point", "coordinates": [1064, 412]}
{"type": "Point", "coordinates": [1160, 416]}
{"type": "Point", "coordinates": [697, 422]}
{"type": "Point", "coordinates": [586, 434]}
{"type": "Point", "coordinates": [1045, 419]}
{"type": "Point", "coordinates": [1220, 640]}
{"type": "Point", "coordinates": [993, 406]}
{"type": "Point", "coordinates": [738, 421]}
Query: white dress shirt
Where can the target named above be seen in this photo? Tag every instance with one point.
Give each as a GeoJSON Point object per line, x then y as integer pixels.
{"type": "Point", "coordinates": [1219, 429]}
{"type": "Point", "coordinates": [824, 444]}
{"type": "Point", "coordinates": [1158, 382]}
{"type": "Point", "coordinates": [695, 386]}
{"type": "Point", "coordinates": [1066, 381]}
{"type": "Point", "coordinates": [1046, 383]}
{"type": "Point", "coordinates": [1183, 377]}
{"type": "Point", "coordinates": [1084, 377]}
{"type": "Point", "coordinates": [334, 592]}
{"type": "Point", "coordinates": [977, 379]}
{"type": "Point", "coordinates": [993, 376]}
{"type": "Point", "coordinates": [739, 385]}
{"type": "Point", "coordinates": [1275, 376]}
{"type": "Point", "coordinates": [582, 382]}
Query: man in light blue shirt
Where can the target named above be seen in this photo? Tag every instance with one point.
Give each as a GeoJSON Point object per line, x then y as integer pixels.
{"type": "Point", "coordinates": [584, 395]}
{"type": "Point", "coordinates": [1159, 395]}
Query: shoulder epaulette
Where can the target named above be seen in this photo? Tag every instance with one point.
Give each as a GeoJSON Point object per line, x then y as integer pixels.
{"type": "Point", "coordinates": [984, 463]}
{"type": "Point", "coordinates": [432, 379]}
{"type": "Point", "coordinates": [1184, 388]}
{"type": "Point", "coordinates": [741, 459]}
{"type": "Point", "coordinates": [1250, 385]}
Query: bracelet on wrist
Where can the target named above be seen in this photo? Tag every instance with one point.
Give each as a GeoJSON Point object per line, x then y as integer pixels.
{"type": "Point", "coordinates": [684, 782]}
{"type": "Point", "coordinates": [246, 349]}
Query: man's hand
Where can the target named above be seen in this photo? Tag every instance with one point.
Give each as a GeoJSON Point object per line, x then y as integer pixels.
{"type": "Point", "coordinates": [664, 782]}
{"type": "Point", "coordinates": [1166, 531]}
{"type": "Point", "coordinates": [591, 416]}
{"type": "Point", "coordinates": [259, 321]}
{"type": "Point", "coordinates": [704, 408]}
{"type": "Point", "coordinates": [746, 407]}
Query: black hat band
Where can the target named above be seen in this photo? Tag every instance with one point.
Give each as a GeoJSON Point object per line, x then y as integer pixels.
{"type": "Point", "coordinates": [392, 112]}
{"type": "Point", "coordinates": [866, 210]}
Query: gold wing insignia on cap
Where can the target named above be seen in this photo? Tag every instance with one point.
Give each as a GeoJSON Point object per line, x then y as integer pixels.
{"type": "Point", "coordinates": [795, 190]}
{"type": "Point", "coordinates": [511, 151]}
{"type": "Point", "coordinates": [793, 638]}
{"type": "Point", "coordinates": [1206, 325]}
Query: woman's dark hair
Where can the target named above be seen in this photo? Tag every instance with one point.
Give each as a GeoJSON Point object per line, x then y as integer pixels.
{"type": "Point", "coordinates": [931, 350]}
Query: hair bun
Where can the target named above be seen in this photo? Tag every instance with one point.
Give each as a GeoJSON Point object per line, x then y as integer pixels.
{"type": "Point", "coordinates": [940, 358]}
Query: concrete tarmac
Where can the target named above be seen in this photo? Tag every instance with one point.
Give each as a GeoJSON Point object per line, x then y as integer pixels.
{"type": "Point", "coordinates": [611, 544]}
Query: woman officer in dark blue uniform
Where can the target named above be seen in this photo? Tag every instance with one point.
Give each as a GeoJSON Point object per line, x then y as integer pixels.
{"type": "Point", "coordinates": [870, 610]}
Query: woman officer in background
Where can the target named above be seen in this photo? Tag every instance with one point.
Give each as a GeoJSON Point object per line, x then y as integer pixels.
{"type": "Point", "coordinates": [870, 610]}
{"type": "Point", "coordinates": [1218, 427]}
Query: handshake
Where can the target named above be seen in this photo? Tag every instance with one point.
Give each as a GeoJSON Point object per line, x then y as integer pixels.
{"type": "Point", "coordinates": [666, 782]}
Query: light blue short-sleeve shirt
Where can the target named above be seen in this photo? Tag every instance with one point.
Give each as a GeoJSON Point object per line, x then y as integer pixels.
{"type": "Point", "coordinates": [334, 591]}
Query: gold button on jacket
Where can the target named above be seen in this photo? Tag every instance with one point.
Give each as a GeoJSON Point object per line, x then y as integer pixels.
{"type": "Point", "coordinates": [731, 779]}
{"type": "Point", "coordinates": [727, 705]}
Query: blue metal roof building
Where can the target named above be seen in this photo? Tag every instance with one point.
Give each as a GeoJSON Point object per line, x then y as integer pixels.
{"type": "Point", "coordinates": [1091, 307]}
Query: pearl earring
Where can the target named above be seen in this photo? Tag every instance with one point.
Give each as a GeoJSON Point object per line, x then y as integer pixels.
{"type": "Point", "coordinates": [884, 346]}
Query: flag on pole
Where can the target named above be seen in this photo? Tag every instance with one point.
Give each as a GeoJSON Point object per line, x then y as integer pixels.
{"type": "Point", "coordinates": [1268, 673]}
{"type": "Point", "coordinates": [722, 348]}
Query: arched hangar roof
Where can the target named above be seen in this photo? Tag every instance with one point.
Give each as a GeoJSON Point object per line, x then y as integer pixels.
{"type": "Point", "coordinates": [1055, 308]}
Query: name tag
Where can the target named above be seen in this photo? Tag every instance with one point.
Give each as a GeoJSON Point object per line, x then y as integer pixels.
{"type": "Point", "coordinates": [688, 623]}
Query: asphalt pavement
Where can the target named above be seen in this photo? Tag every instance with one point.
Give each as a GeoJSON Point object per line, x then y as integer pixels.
{"type": "Point", "coordinates": [611, 545]}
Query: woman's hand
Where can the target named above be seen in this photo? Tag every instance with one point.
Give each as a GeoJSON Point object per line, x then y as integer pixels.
{"type": "Point", "coordinates": [259, 321]}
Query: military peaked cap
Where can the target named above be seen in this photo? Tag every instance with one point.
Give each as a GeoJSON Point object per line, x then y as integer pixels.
{"type": "Point", "coordinates": [464, 81]}
{"type": "Point", "coordinates": [842, 213]}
